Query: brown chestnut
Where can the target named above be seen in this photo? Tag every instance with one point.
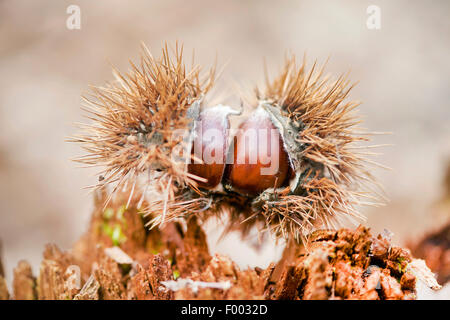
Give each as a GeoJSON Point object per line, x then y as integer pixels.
{"type": "Point", "coordinates": [260, 160]}
{"type": "Point", "coordinates": [210, 145]}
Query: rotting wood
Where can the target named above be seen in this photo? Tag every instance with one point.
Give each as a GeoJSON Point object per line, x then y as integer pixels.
{"type": "Point", "coordinates": [341, 264]}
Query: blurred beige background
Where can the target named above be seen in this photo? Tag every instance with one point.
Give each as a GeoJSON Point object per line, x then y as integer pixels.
{"type": "Point", "coordinates": [403, 72]}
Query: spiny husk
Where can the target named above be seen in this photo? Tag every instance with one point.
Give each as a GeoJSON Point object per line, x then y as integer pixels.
{"type": "Point", "coordinates": [334, 175]}
{"type": "Point", "coordinates": [132, 137]}
{"type": "Point", "coordinates": [134, 118]}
